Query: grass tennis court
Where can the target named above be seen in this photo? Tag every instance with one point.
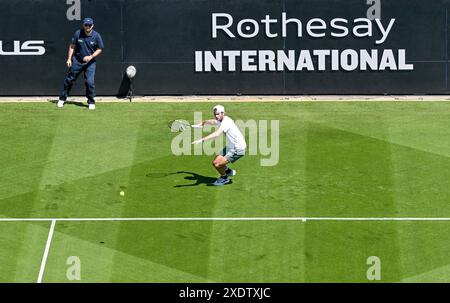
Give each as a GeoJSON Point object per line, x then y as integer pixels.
{"type": "Point", "coordinates": [337, 160]}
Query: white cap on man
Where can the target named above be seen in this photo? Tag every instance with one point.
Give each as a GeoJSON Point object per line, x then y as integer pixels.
{"type": "Point", "coordinates": [219, 109]}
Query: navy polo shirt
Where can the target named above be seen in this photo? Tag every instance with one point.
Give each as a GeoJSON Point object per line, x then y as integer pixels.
{"type": "Point", "coordinates": [86, 45]}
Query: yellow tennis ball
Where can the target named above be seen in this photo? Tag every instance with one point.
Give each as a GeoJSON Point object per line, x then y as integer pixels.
{"type": "Point", "coordinates": [122, 193]}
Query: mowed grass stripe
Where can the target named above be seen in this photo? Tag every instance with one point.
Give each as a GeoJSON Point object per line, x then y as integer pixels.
{"type": "Point", "coordinates": [345, 172]}
{"type": "Point", "coordinates": [103, 259]}
{"type": "Point", "coordinates": [21, 248]}
{"type": "Point", "coordinates": [26, 139]}
{"type": "Point", "coordinates": [178, 252]}
{"type": "Point", "coordinates": [92, 165]}
{"type": "Point", "coordinates": [424, 251]}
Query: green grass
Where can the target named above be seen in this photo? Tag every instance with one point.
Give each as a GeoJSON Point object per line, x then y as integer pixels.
{"type": "Point", "coordinates": [337, 159]}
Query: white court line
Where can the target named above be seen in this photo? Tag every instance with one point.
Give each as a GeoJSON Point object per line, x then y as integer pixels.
{"type": "Point", "coordinates": [227, 219]}
{"type": "Point", "coordinates": [47, 249]}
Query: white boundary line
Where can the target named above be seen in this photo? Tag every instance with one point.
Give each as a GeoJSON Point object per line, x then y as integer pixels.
{"type": "Point", "coordinates": [235, 98]}
{"type": "Point", "coordinates": [304, 219]}
{"type": "Point", "coordinates": [47, 249]}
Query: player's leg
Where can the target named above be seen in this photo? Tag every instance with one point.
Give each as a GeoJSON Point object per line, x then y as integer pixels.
{"type": "Point", "coordinates": [72, 76]}
{"type": "Point", "coordinates": [89, 81]}
{"type": "Point", "coordinates": [220, 164]}
{"type": "Point", "coordinates": [232, 156]}
{"type": "Point", "coordinates": [221, 161]}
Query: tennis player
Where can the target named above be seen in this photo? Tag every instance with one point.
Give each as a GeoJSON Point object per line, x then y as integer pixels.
{"type": "Point", "coordinates": [235, 148]}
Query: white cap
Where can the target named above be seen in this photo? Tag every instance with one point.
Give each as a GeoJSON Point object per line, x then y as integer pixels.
{"type": "Point", "coordinates": [219, 109]}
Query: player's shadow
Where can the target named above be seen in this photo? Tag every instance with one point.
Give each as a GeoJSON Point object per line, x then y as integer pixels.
{"type": "Point", "coordinates": [76, 103]}
{"type": "Point", "coordinates": [199, 179]}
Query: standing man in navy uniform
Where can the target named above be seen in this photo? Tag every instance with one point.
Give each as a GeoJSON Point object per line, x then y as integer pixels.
{"type": "Point", "coordinates": [85, 46]}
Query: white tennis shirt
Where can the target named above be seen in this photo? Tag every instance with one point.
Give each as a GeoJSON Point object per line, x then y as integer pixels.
{"type": "Point", "coordinates": [235, 139]}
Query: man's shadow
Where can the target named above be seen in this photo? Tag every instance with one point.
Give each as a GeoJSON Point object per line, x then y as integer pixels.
{"type": "Point", "coordinates": [76, 103]}
{"type": "Point", "coordinates": [199, 179]}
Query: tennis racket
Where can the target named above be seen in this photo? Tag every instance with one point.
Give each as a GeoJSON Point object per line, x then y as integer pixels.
{"type": "Point", "coordinates": [180, 125]}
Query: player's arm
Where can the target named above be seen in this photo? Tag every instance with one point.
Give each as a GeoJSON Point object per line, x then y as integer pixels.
{"type": "Point", "coordinates": [70, 54]}
{"type": "Point", "coordinates": [209, 122]}
{"type": "Point", "coordinates": [97, 52]}
{"type": "Point", "coordinates": [210, 136]}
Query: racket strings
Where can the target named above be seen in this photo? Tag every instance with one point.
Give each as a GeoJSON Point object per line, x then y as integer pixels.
{"type": "Point", "coordinates": [178, 125]}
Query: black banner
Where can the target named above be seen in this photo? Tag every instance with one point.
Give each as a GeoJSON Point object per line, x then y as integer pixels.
{"type": "Point", "coordinates": [185, 47]}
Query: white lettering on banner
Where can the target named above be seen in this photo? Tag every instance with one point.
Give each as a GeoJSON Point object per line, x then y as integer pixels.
{"type": "Point", "coordinates": [263, 60]}
{"type": "Point", "coordinates": [223, 27]}
{"type": "Point", "coordinates": [308, 60]}
{"type": "Point", "coordinates": [251, 24]}
{"type": "Point", "coordinates": [315, 28]}
{"type": "Point", "coordinates": [27, 48]}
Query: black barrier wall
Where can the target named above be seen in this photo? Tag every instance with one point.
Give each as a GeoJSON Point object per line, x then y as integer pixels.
{"type": "Point", "coordinates": [232, 46]}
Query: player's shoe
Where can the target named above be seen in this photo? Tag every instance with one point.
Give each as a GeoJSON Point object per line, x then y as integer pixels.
{"type": "Point", "coordinates": [221, 181]}
{"type": "Point", "coordinates": [231, 173]}
{"type": "Point", "coordinates": [91, 106]}
{"type": "Point", "coordinates": [60, 103]}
